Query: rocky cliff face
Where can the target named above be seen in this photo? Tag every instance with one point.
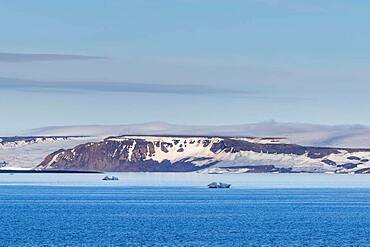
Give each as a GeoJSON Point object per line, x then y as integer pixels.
{"type": "Point", "coordinates": [206, 154]}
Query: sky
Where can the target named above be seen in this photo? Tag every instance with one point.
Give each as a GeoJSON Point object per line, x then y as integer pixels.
{"type": "Point", "coordinates": [183, 61]}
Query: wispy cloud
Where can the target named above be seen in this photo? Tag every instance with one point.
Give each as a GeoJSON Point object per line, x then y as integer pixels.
{"type": "Point", "coordinates": [128, 87]}
{"type": "Point", "coordinates": [38, 57]}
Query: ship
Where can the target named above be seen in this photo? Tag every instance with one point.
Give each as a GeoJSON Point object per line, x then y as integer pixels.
{"type": "Point", "coordinates": [112, 178]}
{"type": "Point", "coordinates": [218, 185]}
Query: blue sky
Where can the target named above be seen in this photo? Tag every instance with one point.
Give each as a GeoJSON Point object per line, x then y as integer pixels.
{"type": "Point", "coordinates": [186, 62]}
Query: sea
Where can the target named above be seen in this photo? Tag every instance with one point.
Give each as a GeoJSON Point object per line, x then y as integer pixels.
{"type": "Point", "coordinates": [177, 209]}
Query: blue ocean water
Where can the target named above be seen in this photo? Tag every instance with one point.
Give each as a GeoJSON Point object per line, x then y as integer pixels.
{"type": "Point", "coordinates": [38, 215]}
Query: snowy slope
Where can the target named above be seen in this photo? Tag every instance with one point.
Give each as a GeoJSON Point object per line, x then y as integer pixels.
{"type": "Point", "coordinates": [27, 152]}
{"type": "Point", "coordinates": [206, 154]}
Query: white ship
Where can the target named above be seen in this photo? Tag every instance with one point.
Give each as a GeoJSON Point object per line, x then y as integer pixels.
{"type": "Point", "coordinates": [219, 185]}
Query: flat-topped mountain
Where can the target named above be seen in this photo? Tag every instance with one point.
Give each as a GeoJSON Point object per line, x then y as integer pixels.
{"type": "Point", "coordinates": [209, 154]}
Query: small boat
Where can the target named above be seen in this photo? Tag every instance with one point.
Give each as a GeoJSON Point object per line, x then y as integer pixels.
{"type": "Point", "coordinates": [224, 185]}
{"type": "Point", "coordinates": [219, 185]}
{"type": "Point", "coordinates": [112, 178]}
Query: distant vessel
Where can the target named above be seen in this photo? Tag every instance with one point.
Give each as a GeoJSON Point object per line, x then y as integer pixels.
{"type": "Point", "coordinates": [112, 178]}
{"type": "Point", "coordinates": [3, 164]}
{"type": "Point", "coordinates": [219, 185]}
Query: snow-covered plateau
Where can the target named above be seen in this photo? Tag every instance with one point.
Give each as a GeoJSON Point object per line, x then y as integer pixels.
{"type": "Point", "coordinates": [28, 152]}
{"type": "Point", "coordinates": [206, 154]}
{"type": "Point", "coordinates": [158, 146]}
